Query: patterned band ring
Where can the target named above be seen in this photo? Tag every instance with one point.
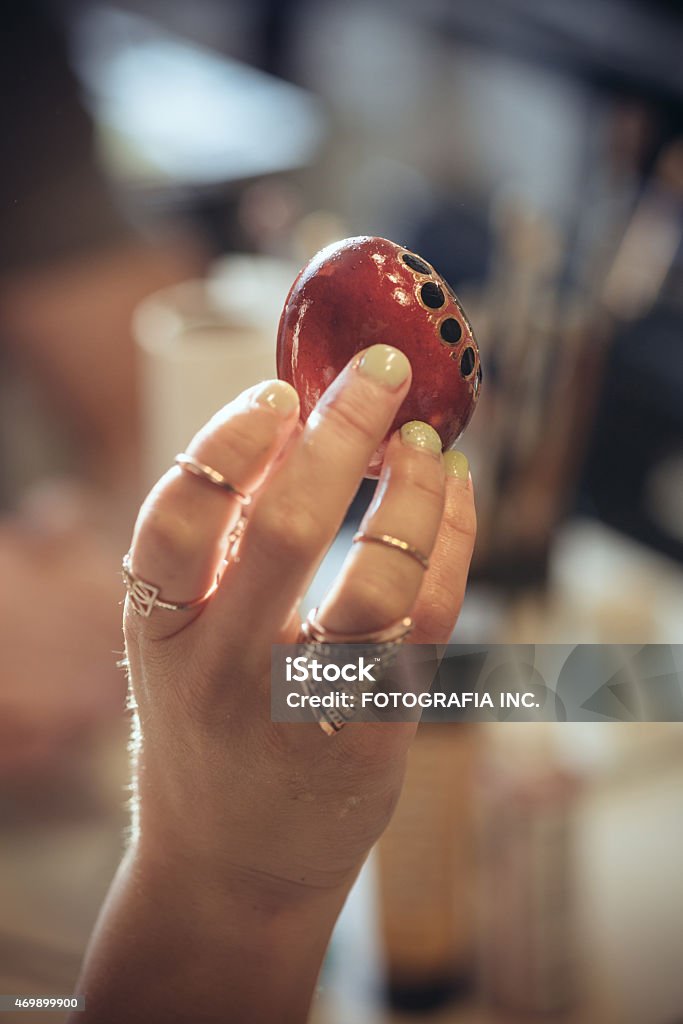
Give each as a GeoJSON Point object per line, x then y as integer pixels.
{"type": "Point", "coordinates": [144, 596]}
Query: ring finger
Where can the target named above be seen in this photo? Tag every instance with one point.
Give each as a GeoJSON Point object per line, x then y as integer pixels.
{"type": "Point", "coordinates": [380, 580]}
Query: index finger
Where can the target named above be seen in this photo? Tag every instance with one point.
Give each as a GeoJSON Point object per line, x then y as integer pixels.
{"type": "Point", "coordinates": [295, 516]}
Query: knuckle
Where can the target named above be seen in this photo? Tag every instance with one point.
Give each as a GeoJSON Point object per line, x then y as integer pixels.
{"type": "Point", "coordinates": [165, 535]}
{"type": "Point", "coordinates": [465, 522]}
{"type": "Point", "coordinates": [352, 420]}
{"type": "Point", "coordinates": [238, 443]}
{"type": "Point", "coordinates": [462, 521]}
{"type": "Point", "coordinates": [426, 480]}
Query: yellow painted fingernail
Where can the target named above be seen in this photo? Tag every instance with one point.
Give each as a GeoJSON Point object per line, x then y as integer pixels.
{"type": "Point", "coordinates": [420, 435]}
{"type": "Point", "coordinates": [457, 465]}
{"type": "Point", "coordinates": [279, 395]}
{"type": "Point", "coordinates": [385, 364]}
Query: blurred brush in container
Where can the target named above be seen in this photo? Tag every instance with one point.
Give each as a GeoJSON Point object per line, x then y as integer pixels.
{"type": "Point", "coordinates": [525, 800]}
{"type": "Point", "coordinates": [426, 873]}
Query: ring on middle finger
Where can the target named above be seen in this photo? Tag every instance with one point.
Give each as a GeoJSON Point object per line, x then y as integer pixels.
{"type": "Point", "coordinates": [189, 464]}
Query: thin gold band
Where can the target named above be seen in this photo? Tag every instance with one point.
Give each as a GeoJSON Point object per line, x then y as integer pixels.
{"type": "Point", "coordinates": [313, 630]}
{"type": "Point", "coordinates": [392, 542]}
{"type": "Point", "coordinates": [212, 476]}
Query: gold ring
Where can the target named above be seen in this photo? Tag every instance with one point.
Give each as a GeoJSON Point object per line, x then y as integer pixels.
{"type": "Point", "coordinates": [317, 640]}
{"type": "Point", "coordinates": [392, 542]}
{"type": "Point", "coordinates": [313, 630]}
{"type": "Point", "coordinates": [204, 472]}
{"type": "Point", "coordinates": [144, 596]}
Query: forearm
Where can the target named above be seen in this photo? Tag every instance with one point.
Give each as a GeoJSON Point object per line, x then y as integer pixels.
{"type": "Point", "coordinates": [169, 950]}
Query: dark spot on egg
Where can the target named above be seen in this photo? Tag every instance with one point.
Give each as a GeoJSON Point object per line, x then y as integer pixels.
{"type": "Point", "coordinates": [432, 295]}
{"type": "Point", "coordinates": [467, 361]}
{"type": "Point", "coordinates": [416, 264]}
{"type": "Point", "coordinates": [456, 300]}
{"type": "Point", "coordinates": [451, 331]}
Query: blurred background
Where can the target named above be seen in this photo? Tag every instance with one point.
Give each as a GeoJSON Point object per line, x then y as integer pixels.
{"type": "Point", "coordinates": [167, 169]}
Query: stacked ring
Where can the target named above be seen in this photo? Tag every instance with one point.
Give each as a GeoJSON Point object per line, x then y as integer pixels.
{"type": "Point", "coordinates": [313, 630]}
{"type": "Point", "coordinates": [143, 595]}
{"type": "Point", "coordinates": [320, 643]}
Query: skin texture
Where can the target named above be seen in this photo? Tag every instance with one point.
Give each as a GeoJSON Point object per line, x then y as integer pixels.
{"type": "Point", "coordinates": [360, 292]}
{"type": "Point", "coordinates": [249, 833]}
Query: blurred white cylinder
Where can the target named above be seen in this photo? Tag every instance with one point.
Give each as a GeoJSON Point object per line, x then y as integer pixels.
{"type": "Point", "coordinates": [200, 344]}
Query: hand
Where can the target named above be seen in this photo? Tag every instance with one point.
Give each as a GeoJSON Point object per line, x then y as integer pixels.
{"type": "Point", "coordinates": [234, 810]}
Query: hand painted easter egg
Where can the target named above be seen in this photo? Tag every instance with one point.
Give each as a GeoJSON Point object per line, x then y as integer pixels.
{"type": "Point", "coordinates": [364, 291]}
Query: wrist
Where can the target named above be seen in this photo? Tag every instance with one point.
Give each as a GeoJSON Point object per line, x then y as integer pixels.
{"type": "Point", "coordinates": [177, 944]}
{"type": "Point", "coordinates": [257, 942]}
{"type": "Point", "coordinates": [222, 846]}
{"type": "Point", "coordinates": [211, 885]}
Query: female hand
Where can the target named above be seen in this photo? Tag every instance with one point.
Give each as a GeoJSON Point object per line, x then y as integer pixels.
{"type": "Point", "coordinates": [249, 833]}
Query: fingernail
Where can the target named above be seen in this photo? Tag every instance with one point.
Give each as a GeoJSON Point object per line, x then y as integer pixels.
{"type": "Point", "coordinates": [386, 365]}
{"type": "Point", "coordinates": [420, 435]}
{"type": "Point", "coordinates": [457, 465]}
{"type": "Point", "coordinates": [279, 395]}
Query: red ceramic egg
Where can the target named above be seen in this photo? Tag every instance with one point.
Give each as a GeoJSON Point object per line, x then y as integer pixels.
{"type": "Point", "coordinates": [364, 291]}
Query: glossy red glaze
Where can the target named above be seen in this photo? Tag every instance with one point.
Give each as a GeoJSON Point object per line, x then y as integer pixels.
{"type": "Point", "coordinates": [360, 292]}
